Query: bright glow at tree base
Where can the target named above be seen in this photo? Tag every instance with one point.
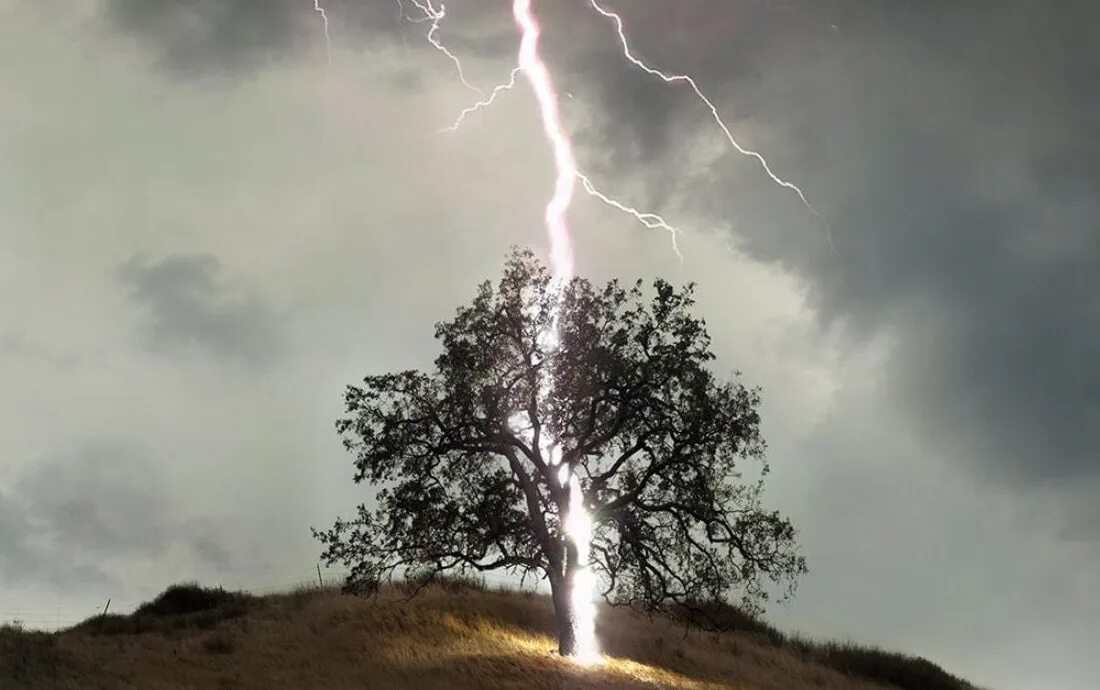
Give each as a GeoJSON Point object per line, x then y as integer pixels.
{"type": "Point", "coordinates": [578, 527]}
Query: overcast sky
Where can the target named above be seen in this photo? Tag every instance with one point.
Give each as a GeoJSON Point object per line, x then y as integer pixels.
{"type": "Point", "coordinates": [206, 231]}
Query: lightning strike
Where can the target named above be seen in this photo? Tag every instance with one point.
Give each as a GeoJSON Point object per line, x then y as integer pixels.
{"type": "Point", "coordinates": [646, 218]}
{"type": "Point", "coordinates": [485, 102]}
{"type": "Point", "coordinates": [324, 22]}
{"type": "Point", "coordinates": [685, 79]}
{"type": "Point", "coordinates": [436, 16]}
{"type": "Point", "coordinates": [538, 76]}
{"type": "Point", "coordinates": [577, 523]}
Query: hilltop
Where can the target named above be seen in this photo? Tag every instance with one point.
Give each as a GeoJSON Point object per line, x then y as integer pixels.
{"type": "Point", "coordinates": [453, 635]}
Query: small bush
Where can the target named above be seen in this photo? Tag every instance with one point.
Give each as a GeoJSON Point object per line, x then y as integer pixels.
{"type": "Point", "coordinates": [901, 670]}
{"type": "Point", "coordinates": [178, 607]}
{"type": "Point", "coordinates": [190, 598]}
{"type": "Point", "coordinates": [721, 616]}
{"type": "Point", "coordinates": [109, 624]}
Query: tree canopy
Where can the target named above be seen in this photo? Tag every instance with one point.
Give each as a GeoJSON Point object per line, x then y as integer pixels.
{"type": "Point", "coordinates": [613, 382]}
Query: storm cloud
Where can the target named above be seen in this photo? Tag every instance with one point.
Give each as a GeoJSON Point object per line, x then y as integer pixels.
{"type": "Point", "coordinates": [72, 519]}
{"type": "Point", "coordinates": [204, 37]}
{"type": "Point", "coordinates": [188, 306]}
{"type": "Point", "coordinates": [197, 35]}
{"type": "Point", "coordinates": [952, 149]}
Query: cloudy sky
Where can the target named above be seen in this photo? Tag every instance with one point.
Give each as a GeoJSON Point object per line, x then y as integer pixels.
{"type": "Point", "coordinates": [207, 230]}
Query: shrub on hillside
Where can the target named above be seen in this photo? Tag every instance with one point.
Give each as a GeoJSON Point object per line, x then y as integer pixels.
{"type": "Point", "coordinates": [721, 616]}
{"type": "Point", "coordinates": [189, 597]}
{"type": "Point", "coordinates": [900, 670]}
{"type": "Point", "coordinates": [180, 606]}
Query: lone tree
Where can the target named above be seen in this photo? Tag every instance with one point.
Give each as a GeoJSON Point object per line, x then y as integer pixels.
{"type": "Point", "coordinates": [464, 457]}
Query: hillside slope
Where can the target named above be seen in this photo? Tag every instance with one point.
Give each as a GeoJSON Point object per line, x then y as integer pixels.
{"type": "Point", "coordinates": [452, 637]}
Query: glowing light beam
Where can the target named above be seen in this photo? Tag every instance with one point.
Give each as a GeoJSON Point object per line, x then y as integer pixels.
{"type": "Point", "coordinates": [577, 522]}
{"type": "Point", "coordinates": [578, 525]}
{"type": "Point", "coordinates": [537, 74]}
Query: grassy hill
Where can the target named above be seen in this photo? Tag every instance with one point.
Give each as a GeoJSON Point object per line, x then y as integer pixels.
{"type": "Point", "coordinates": [454, 635]}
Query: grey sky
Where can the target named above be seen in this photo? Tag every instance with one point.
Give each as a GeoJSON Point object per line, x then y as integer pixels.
{"type": "Point", "coordinates": [207, 232]}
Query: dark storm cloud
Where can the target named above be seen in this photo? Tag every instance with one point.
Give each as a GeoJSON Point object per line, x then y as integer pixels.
{"type": "Point", "coordinates": [953, 147]}
{"type": "Point", "coordinates": [202, 36]}
{"type": "Point", "coordinates": [64, 516]}
{"type": "Point", "coordinates": [189, 305]}
{"type": "Point", "coordinates": [198, 35]}
{"type": "Point", "coordinates": [191, 33]}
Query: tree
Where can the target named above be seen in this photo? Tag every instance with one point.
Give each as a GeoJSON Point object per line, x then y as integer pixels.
{"type": "Point", "coordinates": [609, 382]}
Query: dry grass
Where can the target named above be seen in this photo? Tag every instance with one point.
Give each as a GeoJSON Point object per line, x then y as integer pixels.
{"type": "Point", "coordinates": [451, 638]}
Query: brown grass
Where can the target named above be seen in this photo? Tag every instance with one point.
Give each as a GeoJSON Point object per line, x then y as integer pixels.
{"type": "Point", "coordinates": [451, 638]}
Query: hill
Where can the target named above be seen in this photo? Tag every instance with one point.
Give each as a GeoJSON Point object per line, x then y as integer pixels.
{"type": "Point", "coordinates": [453, 635]}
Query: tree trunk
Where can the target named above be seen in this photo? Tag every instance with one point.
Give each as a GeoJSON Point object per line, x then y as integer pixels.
{"type": "Point", "coordinates": [561, 593]}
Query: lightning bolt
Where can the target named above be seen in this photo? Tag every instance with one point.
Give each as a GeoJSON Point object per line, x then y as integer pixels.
{"type": "Point", "coordinates": [324, 22]}
{"type": "Point", "coordinates": [576, 522]}
{"type": "Point", "coordinates": [646, 218]}
{"type": "Point", "coordinates": [717, 117]}
{"type": "Point", "coordinates": [485, 102]}
{"type": "Point", "coordinates": [538, 76]}
{"type": "Point", "coordinates": [436, 16]}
